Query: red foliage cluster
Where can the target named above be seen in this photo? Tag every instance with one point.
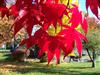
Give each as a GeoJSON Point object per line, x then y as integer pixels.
{"type": "Point", "coordinates": [46, 13]}
{"type": "Point", "coordinates": [3, 9]}
{"type": "Point", "coordinates": [94, 5]}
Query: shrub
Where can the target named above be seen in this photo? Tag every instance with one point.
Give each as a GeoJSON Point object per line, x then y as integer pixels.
{"type": "Point", "coordinates": [20, 55]}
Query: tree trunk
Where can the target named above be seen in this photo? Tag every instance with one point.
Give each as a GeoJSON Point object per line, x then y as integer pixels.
{"type": "Point", "coordinates": [89, 54]}
{"type": "Point", "coordinates": [59, 61]}
{"type": "Point", "coordinates": [94, 59]}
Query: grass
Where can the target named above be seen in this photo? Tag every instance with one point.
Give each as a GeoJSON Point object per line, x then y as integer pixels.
{"type": "Point", "coordinates": [9, 67]}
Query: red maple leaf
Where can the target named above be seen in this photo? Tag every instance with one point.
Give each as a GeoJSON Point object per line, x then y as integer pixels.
{"type": "Point", "coordinates": [93, 4]}
{"type": "Point", "coordinates": [57, 11]}
{"type": "Point", "coordinates": [13, 10]}
{"type": "Point", "coordinates": [70, 37]}
{"type": "Point", "coordinates": [77, 18]}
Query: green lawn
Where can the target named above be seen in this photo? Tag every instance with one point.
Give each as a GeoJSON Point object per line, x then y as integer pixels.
{"type": "Point", "coordinates": [9, 67]}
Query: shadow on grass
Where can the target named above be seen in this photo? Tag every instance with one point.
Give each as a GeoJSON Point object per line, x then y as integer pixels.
{"type": "Point", "coordinates": [34, 67]}
{"type": "Point", "coordinates": [51, 70]}
{"type": "Point", "coordinates": [7, 57]}
{"type": "Point", "coordinates": [44, 70]}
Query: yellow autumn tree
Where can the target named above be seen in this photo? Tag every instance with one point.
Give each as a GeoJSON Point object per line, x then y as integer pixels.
{"type": "Point", "coordinates": [5, 29]}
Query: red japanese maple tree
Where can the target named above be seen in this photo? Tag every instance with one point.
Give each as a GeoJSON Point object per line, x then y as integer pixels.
{"type": "Point", "coordinates": [45, 13]}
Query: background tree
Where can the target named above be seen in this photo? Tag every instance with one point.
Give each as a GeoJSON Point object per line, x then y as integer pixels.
{"type": "Point", "coordinates": [5, 29]}
{"type": "Point", "coordinates": [93, 33]}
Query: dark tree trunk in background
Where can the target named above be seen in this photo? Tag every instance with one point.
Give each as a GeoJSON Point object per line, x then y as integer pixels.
{"type": "Point", "coordinates": [93, 58]}
{"type": "Point", "coordinates": [59, 61]}
{"type": "Point", "coordinates": [89, 54]}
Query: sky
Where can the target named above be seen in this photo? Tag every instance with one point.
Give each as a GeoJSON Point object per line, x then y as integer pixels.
{"type": "Point", "coordinates": [10, 1]}
{"type": "Point", "coordinates": [82, 5]}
